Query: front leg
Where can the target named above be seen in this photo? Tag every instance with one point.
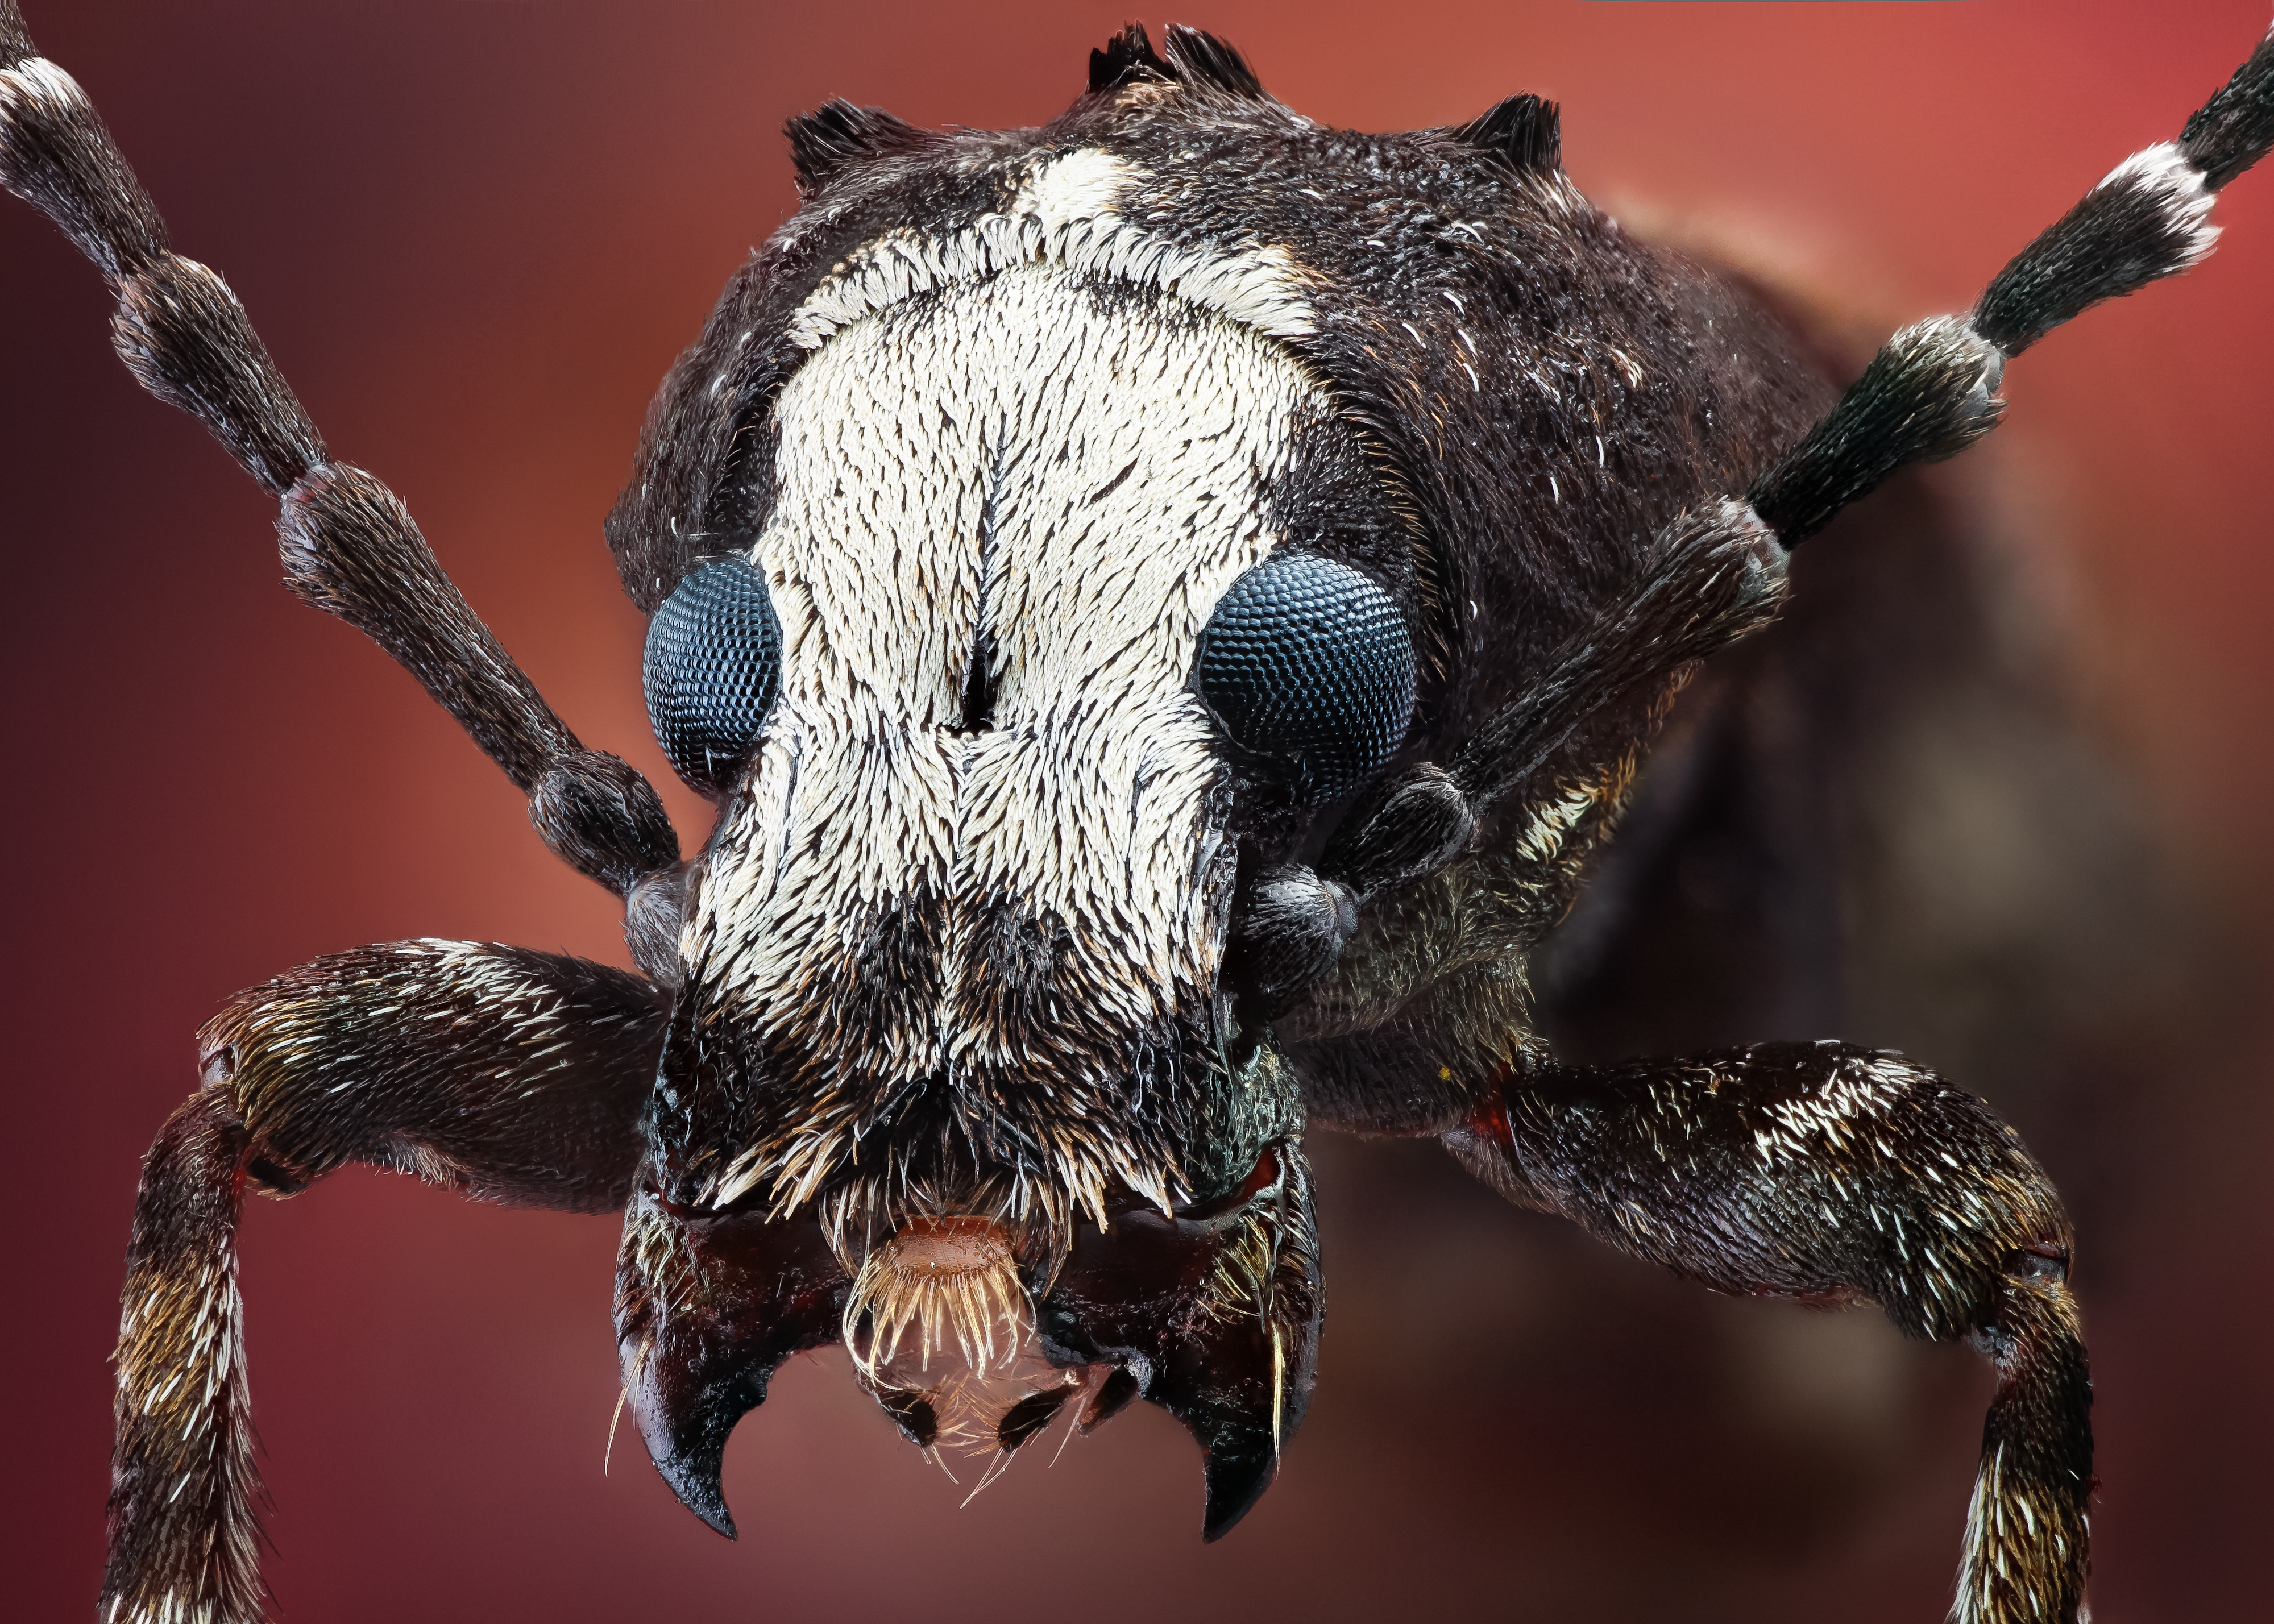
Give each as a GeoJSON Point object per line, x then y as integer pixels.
{"type": "Point", "coordinates": [515, 1076]}
{"type": "Point", "coordinates": [1828, 1173]}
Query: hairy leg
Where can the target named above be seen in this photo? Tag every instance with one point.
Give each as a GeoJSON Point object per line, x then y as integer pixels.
{"type": "Point", "coordinates": [514, 1075]}
{"type": "Point", "coordinates": [1828, 1173]}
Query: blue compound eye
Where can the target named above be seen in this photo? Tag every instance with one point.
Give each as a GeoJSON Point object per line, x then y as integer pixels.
{"type": "Point", "coordinates": [712, 668]}
{"type": "Point", "coordinates": [1308, 663]}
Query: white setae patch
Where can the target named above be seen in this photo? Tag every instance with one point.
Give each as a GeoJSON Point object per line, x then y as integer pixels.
{"type": "Point", "coordinates": [1080, 185]}
{"type": "Point", "coordinates": [1065, 213]}
{"type": "Point", "coordinates": [1069, 471]}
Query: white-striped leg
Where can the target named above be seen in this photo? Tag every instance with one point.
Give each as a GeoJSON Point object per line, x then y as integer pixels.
{"type": "Point", "coordinates": [1826, 1173]}
{"type": "Point", "coordinates": [518, 1076]}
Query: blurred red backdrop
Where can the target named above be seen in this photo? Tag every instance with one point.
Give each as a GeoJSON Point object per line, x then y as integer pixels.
{"type": "Point", "coordinates": [474, 235]}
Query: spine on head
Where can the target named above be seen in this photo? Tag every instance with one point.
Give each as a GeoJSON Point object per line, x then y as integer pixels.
{"type": "Point", "coordinates": [1196, 61]}
{"type": "Point", "coordinates": [1523, 132]}
{"type": "Point", "coordinates": [837, 133]}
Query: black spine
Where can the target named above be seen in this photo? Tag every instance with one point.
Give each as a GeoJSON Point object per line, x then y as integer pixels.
{"type": "Point", "coordinates": [1205, 63]}
{"type": "Point", "coordinates": [1128, 58]}
{"type": "Point", "coordinates": [836, 133]}
{"type": "Point", "coordinates": [1523, 132]}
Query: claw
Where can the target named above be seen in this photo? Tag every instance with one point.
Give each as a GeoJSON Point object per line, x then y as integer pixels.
{"type": "Point", "coordinates": [1236, 1480]}
{"type": "Point", "coordinates": [706, 1309]}
{"type": "Point", "coordinates": [1212, 1314]}
{"type": "Point", "coordinates": [1223, 1388]}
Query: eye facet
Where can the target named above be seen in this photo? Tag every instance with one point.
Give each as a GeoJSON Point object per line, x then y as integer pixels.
{"type": "Point", "coordinates": [1308, 662]}
{"type": "Point", "coordinates": [711, 670]}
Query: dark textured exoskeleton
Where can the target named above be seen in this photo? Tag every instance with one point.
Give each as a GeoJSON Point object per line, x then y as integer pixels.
{"type": "Point", "coordinates": [1166, 605]}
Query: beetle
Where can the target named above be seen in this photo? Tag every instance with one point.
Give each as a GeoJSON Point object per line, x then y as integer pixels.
{"type": "Point", "coordinates": [1291, 912]}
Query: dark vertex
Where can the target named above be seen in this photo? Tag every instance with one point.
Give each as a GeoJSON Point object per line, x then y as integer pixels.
{"type": "Point", "coordinates": [1205, 63]}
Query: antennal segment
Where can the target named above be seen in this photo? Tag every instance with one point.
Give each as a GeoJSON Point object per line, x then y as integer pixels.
{"type": "Point", "coordinates": [349, 545]}
{"type": "Point", "coordinates": [1931, 391]}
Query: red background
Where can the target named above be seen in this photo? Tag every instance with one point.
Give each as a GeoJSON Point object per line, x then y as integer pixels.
{"type": "Point", "coordinates": [474, 235]}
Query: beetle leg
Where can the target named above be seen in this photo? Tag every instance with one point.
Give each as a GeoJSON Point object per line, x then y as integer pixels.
{"type": "Point", "coordinates": [515, 1076]}
{"type": "Point", "coordinates": [349, 544]}
{"type": "Point", "coordinates": [1825, 1172]}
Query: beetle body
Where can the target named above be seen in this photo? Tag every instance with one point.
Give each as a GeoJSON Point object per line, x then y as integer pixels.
{"type": "Point", "coordinates": [1166, 604]}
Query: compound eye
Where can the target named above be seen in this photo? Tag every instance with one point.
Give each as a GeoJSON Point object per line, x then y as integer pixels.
{"type": "Point", "coordinates": [1307, 662]}
{"type": "Point", "coordinates": [712, 667]}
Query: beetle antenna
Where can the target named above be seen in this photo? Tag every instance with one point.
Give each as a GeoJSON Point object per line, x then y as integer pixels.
{"type": "Point", "coordinates": [1931, 391]}
{"type": "Point", "coordinates": [349, 545]}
